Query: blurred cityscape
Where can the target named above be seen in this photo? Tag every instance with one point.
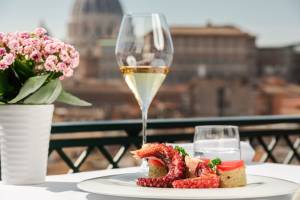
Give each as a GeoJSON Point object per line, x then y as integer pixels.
{"type": "Point", "coordinates": [218, 70]}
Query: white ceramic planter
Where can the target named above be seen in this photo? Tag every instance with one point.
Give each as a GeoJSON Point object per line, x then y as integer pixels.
{"type": "Point", "coordinates": [24, 142]}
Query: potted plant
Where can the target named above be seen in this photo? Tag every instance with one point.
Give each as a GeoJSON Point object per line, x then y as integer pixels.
{"type": "Point", "coordinates": [32, 66]}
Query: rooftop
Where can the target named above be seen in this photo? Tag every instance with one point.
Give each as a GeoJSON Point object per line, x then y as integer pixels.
{"type": "Point", "coordinates": [209, 29]}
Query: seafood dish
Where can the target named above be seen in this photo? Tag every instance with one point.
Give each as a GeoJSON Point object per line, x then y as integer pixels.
{"type": "Point", "coordinates": [173, 168]}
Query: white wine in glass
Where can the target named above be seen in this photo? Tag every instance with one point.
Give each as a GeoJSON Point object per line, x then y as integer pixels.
{"type": "Point", "coordinates": [144, 52]}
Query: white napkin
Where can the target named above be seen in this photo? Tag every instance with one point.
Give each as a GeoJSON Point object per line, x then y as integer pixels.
{"type": "Point", "coordinates": [247, 152]}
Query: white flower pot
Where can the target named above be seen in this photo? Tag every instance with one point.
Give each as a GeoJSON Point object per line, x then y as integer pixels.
{"type": "Point", "coordinates": [24, 142]}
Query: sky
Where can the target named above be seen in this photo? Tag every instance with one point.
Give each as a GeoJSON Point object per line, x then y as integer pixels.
{"type": "Point", "coordinates": [273, 22]}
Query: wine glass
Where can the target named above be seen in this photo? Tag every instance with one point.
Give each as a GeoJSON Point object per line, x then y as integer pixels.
{"type": "Point", "coordinates": [144, 53]}
{"type": "Point", "coordinates": [217, 141]}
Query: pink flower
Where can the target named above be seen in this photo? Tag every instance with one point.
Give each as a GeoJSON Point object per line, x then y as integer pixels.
{"type": "Point", "coordinates": [52, 58]}
{"type": "Point", "coordinates": [46, 42]}
{"type": "Point", "coordinates": [1, 35]}
{"type": "Point", "coordinates": [64, 56]}
{"type": "Point", "coordinates": [74, 54]}
{"type": "Point", "coordinates": [8, 59]}
{"type": "Point", "coordinates": [36, 56]}
{"type": "Point", "coordinates": [40, 31]}
{"type": "Point", "coordinates": [8, 37]}
{"type": "Point", "coordinates": [13, 45]}
{"type": "Point", "coordinates": [2, 51]}
{"type": "Point", "coordinates": [50, 63]}
{"type": "Point", "coordinates": [61, 66]}
{"type": "Point", "coordinates": [52, 48]}
{"type": "Point", "coordinates": [3, 66]}
{"type": "Point", "coordinates": [45, 37]}
{"type": "Point", "coordinates": [49, 54]}
{"type": "Point", "coordinates": [68, 61]}
{"type": "Point", "coordinates": [24, 35]}
{"type": "Point", "coordinates": [26, 42]}
{"type": "Point", "coordinates": [28, 50]}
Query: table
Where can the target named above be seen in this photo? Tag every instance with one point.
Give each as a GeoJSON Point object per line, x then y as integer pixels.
{"type": "Point", "coordinates": [63, 187]}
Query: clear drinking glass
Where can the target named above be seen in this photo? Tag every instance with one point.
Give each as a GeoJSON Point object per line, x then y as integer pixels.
{"type": "Point", "coordinates": [144, 53]}
{"type": "Point", "coordinates": [217, 141]}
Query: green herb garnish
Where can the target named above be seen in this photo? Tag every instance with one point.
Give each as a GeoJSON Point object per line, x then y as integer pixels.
{"type": "Point", "coordinates": [213, 163]}
{"type": "Point", "coordinates": [181, 151]}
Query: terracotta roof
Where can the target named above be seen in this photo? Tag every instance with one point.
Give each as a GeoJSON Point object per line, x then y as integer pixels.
{"type": "Point", "coordinates": [209, 30]}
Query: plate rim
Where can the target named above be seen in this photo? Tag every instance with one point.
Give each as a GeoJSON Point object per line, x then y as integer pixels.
{"type": "Point", "coordinates": [166, 198]}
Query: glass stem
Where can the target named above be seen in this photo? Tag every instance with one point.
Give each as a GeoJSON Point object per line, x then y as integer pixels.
{"type": "Point", "coordinates": [144, 119]}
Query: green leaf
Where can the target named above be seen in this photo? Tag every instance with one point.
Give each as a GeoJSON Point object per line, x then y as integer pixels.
{"type": "Point", "coordinates": [2, 103]}
{"type": "Point", "coordinates": [181, 150]}
{"type": "Point", "coordinates": [68, 98]}
{"type": "Point", "coordinates": [23, 68]}
{"type": "Point", "coordinates": [213, 163]}
{"type": "Point", "coordinates": [3, 82]}
{"type": "Point", "coordinates": [216, 161]}
{"type": "Point", "coordinates": [9, 85]}
{"type": "Point", "coordinates": [31, 85]}
{"type": "Point", "coordinates": [47, 94]}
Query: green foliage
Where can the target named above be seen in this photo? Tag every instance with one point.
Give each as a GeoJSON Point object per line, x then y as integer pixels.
{"type": "Point", "coordinates": [12, 79]}
{"type": "Point", "coordinates": [31, 85]}
{"type": "Point", "coordinates": [181, 151]}
{"type": "Point", "coordinates": [22, 84]}
{"type": "Point", "coordinates": [3, 84]}
{"type": "Point", "coordinates": [23, 68]}
{"type": "Point", "coordinates": [68, 98]}
{"type": "Point", "coordinates": [9, 85]}
{"type": "Point", "coordinates": [213, 163]}
{"type": "Point", "coordinates": [47, 94]}
{"type": "Point", "coordinates": [216, 161]}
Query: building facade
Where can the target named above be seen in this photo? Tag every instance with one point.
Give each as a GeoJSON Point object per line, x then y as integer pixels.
{"type": "Point", "coordinates": [212, 51]}
{"type": "Point", "coordinates": [279, 61]}
{"type": "Point", "coordinates": [215, 67]}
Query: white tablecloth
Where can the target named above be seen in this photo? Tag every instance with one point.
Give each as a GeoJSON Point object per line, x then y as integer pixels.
{"type": "Point", "coordinates": [63, 187]}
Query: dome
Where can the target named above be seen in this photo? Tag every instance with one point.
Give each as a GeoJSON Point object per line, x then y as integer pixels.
{"type": "Point", "coordinates": [97, 6]}
{"type": "Point", "coordinates": [91, 20]}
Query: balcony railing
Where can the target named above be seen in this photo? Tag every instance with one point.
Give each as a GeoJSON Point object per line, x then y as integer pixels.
{"type": "Point", "coordinates": [275, 138]}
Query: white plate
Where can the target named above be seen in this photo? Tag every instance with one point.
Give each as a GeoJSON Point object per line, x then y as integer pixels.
{"type": "Point", "coordinates": [123, 185]}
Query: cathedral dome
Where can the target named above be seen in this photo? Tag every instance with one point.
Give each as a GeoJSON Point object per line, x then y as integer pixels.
{"type": "Point", "coordinates": [96, 7]}
{"type": "Point", "coordinates": [94, 19]}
